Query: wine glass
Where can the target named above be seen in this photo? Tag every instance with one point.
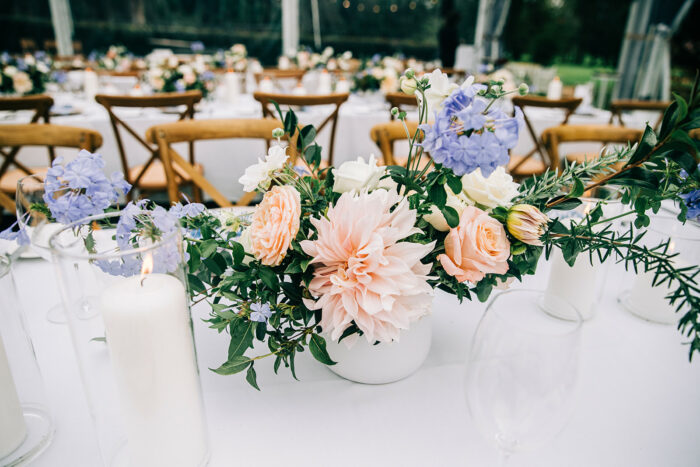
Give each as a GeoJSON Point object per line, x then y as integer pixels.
{"type": "Point", "coordinates": [38, 226]}
{"type": "Point", "coordinates": [522, 370]}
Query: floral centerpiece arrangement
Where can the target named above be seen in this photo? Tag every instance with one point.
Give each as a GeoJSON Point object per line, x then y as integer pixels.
{"type": "Point", "coordinates": [117, 58]}
{"type": "Point", "coordinates": [306, 59]}
{"type": "Point", "coordinates": [234, 58]}
{"type": "Point", "coordinates": [179, 78]}
{"type": "Point", "coordinates": [356, 252]}
{"type": "Point", "coordinates": [24, 75]}
{"type": "Point", "coordinates": [378, 74]}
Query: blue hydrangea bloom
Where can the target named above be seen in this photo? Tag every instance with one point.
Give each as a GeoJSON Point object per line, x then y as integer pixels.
{"type": "Point", "coordinates": [692, 201]}
{"type": "Point", "coordinates": [80, 188]}
{"type": "Point", "coordinates": [465, 136]}
{"type": "Point", "coordinates": [260, 312]}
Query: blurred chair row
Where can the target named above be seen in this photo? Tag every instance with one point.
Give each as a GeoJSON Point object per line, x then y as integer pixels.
{"type": "Point", "coordinates": [167, 170]}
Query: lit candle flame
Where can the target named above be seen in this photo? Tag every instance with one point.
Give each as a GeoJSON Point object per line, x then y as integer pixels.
{"type": "Point", "coordinates": [146, 267]}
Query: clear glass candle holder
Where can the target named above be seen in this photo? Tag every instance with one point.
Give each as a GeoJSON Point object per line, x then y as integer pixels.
{"type": "Point", "coordinates": [129, 316]}
{"type": "Point", "coordinates": [642, 298]}
{"type": "Point", "coordinates": [26, 428]}
{"type": "Point", "coordinates": [581, 284]}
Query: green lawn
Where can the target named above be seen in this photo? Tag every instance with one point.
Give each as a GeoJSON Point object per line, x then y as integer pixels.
{"type": "Point", "coordinates": [572, 75]}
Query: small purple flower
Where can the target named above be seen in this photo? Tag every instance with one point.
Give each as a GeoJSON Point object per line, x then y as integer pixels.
{"type": "Point", "coordinates": [260, 312]}
{"type": "Point", "coordinates": [692, 201]}
{"type": "Point", "coordinates": [187, 210]}
{"type": "Point", "coordinates": [19, 235]}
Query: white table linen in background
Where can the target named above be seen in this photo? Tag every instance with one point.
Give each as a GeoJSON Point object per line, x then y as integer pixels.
{"type": "Point", "coordinates": [224, 161]}
{"type": "Point", "coordinates": [638, 401]}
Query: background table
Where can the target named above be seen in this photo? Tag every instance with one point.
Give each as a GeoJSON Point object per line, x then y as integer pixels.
{"type": "Point", "coordinates": [224, 161]}
{"type": "Point", "coordinates": [638, 403]}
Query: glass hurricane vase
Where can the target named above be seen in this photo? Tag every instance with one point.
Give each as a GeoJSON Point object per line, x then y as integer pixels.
{"type": "Point", "coordinates": [135, 345]}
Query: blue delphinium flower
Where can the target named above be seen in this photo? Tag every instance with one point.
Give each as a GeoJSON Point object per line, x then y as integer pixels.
{"type": "Point", "coordinates": [260, 312]}
{"type": "Point", "coordinates": [692, 201]}
{"type": "Point", "coordinates": [467, 134]}
{"type": "Point", "coordinates": [19, 235]}
{"type": "Point", "coordinates": [80, 188]}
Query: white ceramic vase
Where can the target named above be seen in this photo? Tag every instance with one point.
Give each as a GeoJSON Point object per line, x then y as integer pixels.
{"type": "Point", "coordinates": [383, 363]}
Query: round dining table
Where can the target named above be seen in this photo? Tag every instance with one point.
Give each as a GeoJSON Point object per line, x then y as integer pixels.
{"type": "Point", "coordinates": [637, 400]}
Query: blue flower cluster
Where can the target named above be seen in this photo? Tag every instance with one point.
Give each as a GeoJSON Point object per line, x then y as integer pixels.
{"type": "Point", "coordinates": [466, 135]}
{"type": "Point", "coordinates": [692, 201]}
{"type": "Point", "coordinates": [138, 225]}
{"type": "Point", "coordinates": [80, 188]}
{"type": "Point", "coordinates": [19, 235]}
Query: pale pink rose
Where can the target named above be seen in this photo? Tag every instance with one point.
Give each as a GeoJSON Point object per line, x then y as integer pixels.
{"type": "Point", "coordinates": [476, 247]}
{"type": "Point", "coordinates": [275, 224]}
{"type": "Point", "coordinates": [363, 272]}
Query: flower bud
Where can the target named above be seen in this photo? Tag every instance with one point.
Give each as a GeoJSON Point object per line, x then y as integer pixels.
{"type": "Point", "coordinates": [410, 73]}
{"type": "Point", "coordinates": [394, 111]}
{"type": "Point", "coordinates": [526, 223]}
{"type": "Point", "coordinates": [277, 133]}
{"type": "Point", "coordinates": [408, 85]}
{"type": "Point", "coordinates": [523, 89]}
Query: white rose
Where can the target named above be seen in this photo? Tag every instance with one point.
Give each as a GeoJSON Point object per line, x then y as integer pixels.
{"type": "Point", "coordinates": [21, 83]}
{"type": "Point", "coordinates": [10, 70]}
{"type": "Point", "coordinates": [258, 175]}
{"type": "Point", "coordinates": [440, 89]}
{"type": "Point", "coordinates": [456, 201]}
{"type": "Point", "coordinates": [357, 175]}
{"type": "Point", "coordinates": [496, 190]}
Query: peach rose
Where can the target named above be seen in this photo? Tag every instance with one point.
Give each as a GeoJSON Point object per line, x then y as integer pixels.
{"type": "Point", "coordinates": [275, 224]}
{"type": "Point", "coordinates": [476, 247]}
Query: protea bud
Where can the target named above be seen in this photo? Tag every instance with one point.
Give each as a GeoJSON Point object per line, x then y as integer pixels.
{"type": "Point", "coordinates": [526, 223]}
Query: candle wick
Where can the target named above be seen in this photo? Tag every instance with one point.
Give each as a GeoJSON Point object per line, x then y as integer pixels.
{"type": "Point", "coordinates": [143, 279]}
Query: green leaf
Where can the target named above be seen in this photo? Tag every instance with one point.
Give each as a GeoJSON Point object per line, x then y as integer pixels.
{"type": "Point", "coordinates": [269, 278]}
{"type": "Point", "coordinates": [279, 111]}
{"type": "Point", "coordinates": [90, 243]}
{"type": "Point", "coordinates": [438, 195]}
{"type": "Point", "coordinates": [645, 146]}
{"type": "Point", "coordinates": [251, 377]}
{"type": "Point", "coordinates": [308, 133]}
{"type": "Point", "coordinates": [565, 205]}
{"type": "Point", "coordinates": [232, 366]}
{"type": "Point", "coordinates": [196, 284]}
{"type": "Point", "coordinates": [455, 184]}
{"type": "Point", "coordinates": [451, 216]}
{"type": "Point", "coordinates": [241, 337]}
{"type": "Point", "coordinates": [238, 253]}
{"type": "Point", "coordinates": [577, 190]}
{"type": "Point", "coordinates": [208, 247]}
{"type": "Point", "coordinates": [317, 345]}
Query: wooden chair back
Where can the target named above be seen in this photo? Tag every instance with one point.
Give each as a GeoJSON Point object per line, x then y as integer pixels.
{"type": "Point", "coordinates": [400, 100]}
{"type": "Point", "coordinates": [175, 99]}
{"type": "Point", "coordinates": [336, 99]}
{"type": "Point", "coordinates": [568, 105]}
{"type": "Point", "coordinates": [554, 136]}
{"type": "Point", "coordinates": [41, 134]}
{"type": "Point", "coordinates": [385, 134]}
{"type": "Point", "coordinates": [27, 45]}
{"type": "Point", "coordinates": [200, 130]}
{"type": "Point", "coordinates": [40, 104]}
{"type": "Point", "coordinates": [276, 74]}
{"type": "Point", "coordinates": [618, 106]}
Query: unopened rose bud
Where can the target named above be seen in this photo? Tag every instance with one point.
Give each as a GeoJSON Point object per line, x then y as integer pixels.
{"type": "Point", "coordinates": [526, 223]}
{"type": "Point", "coordinates": [410, 73]}
{"type": "Point", "coordinates": [523, 89]}
{"type": "Point", "coordinates": [408, 85]}
{"type": "Point", "coordinates": [277, 133]}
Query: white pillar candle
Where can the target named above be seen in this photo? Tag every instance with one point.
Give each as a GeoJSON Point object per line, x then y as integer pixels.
{"type": "Point", "coordinates": [342, 85]}
{"type": "Point", "coordinates": [90, 84]}
{"type": "Point", "coordinates": [577, 284]}
{"type": "Point", "coordinates": [299, 90]}
{"type": "Point", "coordinates": [284, 63]}
{"type": "Point", "coordinates": [266, 85]}
{"type": "Point", "coordinates": [324, 82]}
{"type": "Point", "coordinates": [13, 429]}
{"type": "Point", "coordinates": [149, 335]}
{"type": "Point", "coordinates": [232, 86]}
{"type": "Point", "coordinates": [554, 89]}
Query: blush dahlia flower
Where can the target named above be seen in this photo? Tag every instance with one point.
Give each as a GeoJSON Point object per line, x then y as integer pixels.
{"type": "Point", "coordinates": [363, 272]}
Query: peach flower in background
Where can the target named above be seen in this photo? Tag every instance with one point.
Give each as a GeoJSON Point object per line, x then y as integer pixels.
{"type": "Point", "coordinates": [476, 247]}
{"type": "Point", "coordinates": [363, 273]}
{"type": "Point", "coordinates": [275, 224]}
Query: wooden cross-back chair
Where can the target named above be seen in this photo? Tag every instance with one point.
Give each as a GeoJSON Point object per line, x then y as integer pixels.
{"type": "Point", "coordinates": [522, 166]}
{"type": "Point", "coordinates": [400, 100]}
{"type": "Point", "coordinates": [201, 130]}
{"type": "Point", "coordinates": [39, 134]}
{"type": "Point", "coordinates": [618, 106]}
{"type": "Point", "coordinates": [386, 134]}
{"type": "Point", "coordinates": [150, 177]}
{"type": "Point", "coordinates": [554, 136]}
{"type": "Point", "coordinates": [336, 99]}
{"type": "Point", "coordinates": [276, 74]}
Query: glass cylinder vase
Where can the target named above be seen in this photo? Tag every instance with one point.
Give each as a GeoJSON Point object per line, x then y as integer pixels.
{"type": "Point", "coordinates": [129, 316]}
{"type": "Point", "coordinates": [26, 428]}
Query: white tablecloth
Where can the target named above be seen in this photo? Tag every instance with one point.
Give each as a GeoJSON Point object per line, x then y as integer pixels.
{"type": "Point", "coordinates": [224, 161]}
{"type": "Point", "coordinates": [638, 403]}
